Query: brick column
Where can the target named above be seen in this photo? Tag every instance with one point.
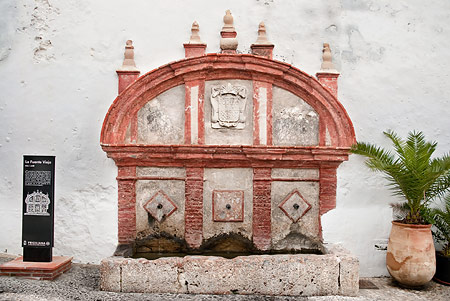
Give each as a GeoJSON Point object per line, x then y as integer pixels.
{"type": "Point", "coordinates": [127, 204]}
{"type": "Point", "coordinates": [193, 218]}
{"type": "Point", "coordinates": [128, 73]}
{"type": "Point", "coordinates": [126, 78]}
{"type": "Point", "coordinates": [262, 229]}
{"type": "Point", "coordinates": [327, 182]}
{"type": "Point", "coordinates": [329, 80]}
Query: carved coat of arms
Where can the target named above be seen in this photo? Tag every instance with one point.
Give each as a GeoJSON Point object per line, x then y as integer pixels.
{"type": "Point", "coordinates": [228, 106]}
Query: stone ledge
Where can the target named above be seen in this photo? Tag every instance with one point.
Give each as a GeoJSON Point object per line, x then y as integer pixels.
{"type": "Point", "coordinates": [335, 273]}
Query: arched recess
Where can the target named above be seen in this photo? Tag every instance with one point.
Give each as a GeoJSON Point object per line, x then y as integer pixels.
{"type": "Point", "coordinates": [221, 66]}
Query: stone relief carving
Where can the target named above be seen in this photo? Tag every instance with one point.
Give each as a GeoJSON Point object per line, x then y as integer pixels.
{"type": "Point", "coordinates": [295, 206]}
{"type": "Point", "coordinates": [160, 206]}
{"type": "Point", "coordinates": [228, 106]}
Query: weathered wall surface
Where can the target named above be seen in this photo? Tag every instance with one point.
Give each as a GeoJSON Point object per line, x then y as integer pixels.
{"type": "Point", "coordinates": [161, 120]}
{"type": "Point", "coordinates": [145, 191]}
{"type": "Point", "coordinates": [303, 232]}
{"type": "Point", "coordinates": [294, 121]}
{"type": "Point", "coordinates": [57, 70]}
{"type": "Point", "coordinates": [222, 180]}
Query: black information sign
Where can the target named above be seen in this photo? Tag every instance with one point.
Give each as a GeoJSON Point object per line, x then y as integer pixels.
{"type": "Point", "coordinates": [38, 207]}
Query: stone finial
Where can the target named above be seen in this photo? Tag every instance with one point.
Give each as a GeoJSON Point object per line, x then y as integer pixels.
{"type": "Point", "coordinates": [128, 73]}
{"type": "Point", "coordinates": [228, 42]}
{"type": "Point", "coordinates": [262, 46]}
{"type": "Point", "coordinates": [327, 75]}
{"type": "Point", "coordinates": [262, 37]}
{"type": "Point", "coordinates": [327, 64]}
{"type": "Point", "coordinates": [195, 47]}
{"type": "Point", "coordinates": [228, 22]}
{"type": "Point", "coordinates": [128, 61]}
{"type": "Point", "coordinates": [195, 37]}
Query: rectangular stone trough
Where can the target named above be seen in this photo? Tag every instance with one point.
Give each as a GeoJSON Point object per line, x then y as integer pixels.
{"type": "Point", "coordinates": [334, 273]}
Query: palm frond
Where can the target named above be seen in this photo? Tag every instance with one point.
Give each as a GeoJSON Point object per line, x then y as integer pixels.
{"type": "Point", "coordinates": [378, 157]}
{"type": "Point", "coordinates": [411, 171]}
{"type": "Point", "coordinates": [440, 218]}
{"type": "Point", "coordinates": [396, 141]}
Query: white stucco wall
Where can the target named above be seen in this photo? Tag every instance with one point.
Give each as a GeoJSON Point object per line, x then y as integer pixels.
{"type": "Point", "coordinates": [57, 81]}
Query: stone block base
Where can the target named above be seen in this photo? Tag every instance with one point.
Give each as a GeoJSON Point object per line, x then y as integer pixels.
{"type": "Point", "coordinates": [334, 273]}
{"type": "Point", "coordinates": [36, 270]}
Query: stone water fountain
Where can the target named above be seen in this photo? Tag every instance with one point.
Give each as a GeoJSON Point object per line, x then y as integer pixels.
{"type": "Point", "coordinates": [226, 163]}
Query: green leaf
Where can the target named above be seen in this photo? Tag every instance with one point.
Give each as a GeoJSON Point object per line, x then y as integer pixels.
{"type": "Point", "coordinates": [411, 171]}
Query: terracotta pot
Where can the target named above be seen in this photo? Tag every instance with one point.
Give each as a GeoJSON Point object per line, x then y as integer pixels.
{"type": "Point", "coordinates": [442, 269]}
{"type": "Point", "coordinates": [410, 257]}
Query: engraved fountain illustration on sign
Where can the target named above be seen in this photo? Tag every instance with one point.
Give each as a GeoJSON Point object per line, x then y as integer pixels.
{"type": "Point", "coordinates": [228, 105]}
{"type": "Point", "coordinates": [37, 204]}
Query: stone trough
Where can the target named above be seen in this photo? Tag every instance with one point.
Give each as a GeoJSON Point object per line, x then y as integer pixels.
{"type": "Point", "coordinates": [333, 273]}
{"type": "Point", "coordinates": [227, 154]}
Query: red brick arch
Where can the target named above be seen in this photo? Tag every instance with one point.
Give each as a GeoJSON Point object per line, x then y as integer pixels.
{"type": "Point", "coordinates": [221, 66]}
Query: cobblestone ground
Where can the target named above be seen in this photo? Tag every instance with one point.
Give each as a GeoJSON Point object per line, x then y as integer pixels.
{"type": "Point", "coordinates": [82, 283]}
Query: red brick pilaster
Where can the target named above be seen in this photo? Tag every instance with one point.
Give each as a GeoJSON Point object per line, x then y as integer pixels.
{"type": "Point", "coordinates": [327, 195]}
{"type": "Point", "coordinates": [194, 128]}
{"type": "Point", "coordinates": [193, 217]}
{"type": "Point", "coordinates": [126, 78]}
{"type": "Point", "coordinates": [262, 46]}
{"type": "Point", "coordinates": [194, 49]}
{"type": "Point", "coordinates": [329, 81]}
{"type": "Point", "coordinates": [127, 204]}
{"type": "Point", "coordinates": [262, 229]}
{"type": "Point", "coordinates": [262, 113]}
{"type": "Point", "coordinates": [128, 73]}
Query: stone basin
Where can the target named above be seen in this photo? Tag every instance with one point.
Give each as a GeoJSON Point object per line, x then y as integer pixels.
{"type": "Point", "coordinates": [333, 273]}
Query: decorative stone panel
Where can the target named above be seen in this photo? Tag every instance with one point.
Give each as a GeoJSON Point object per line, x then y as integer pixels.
{"type": "Point", "coordinates": [291, 229]}
{"type": "Point", "coordinates": [226, 134]}
{"type": "Point", "coordinates": [294, 121]}
{"type": "Point", "coordinates": [238, 180]}
{"type": "Point", "coordinates": [165, 173]}
{"type": "Point", "coordinates": [295, 206]}
{"type": "Point", "coordinates": [295, 173]}
{"type": "Point", "coordinates": [161, 120]}
{"type": "Point", "coordinates": [160, 206]}
{"type": "Point", "coordinates": [228, 205]}
{"type": "Point", "coordinates": [228, 104]}
{"type": "Point", "coordinates": [168, 193]}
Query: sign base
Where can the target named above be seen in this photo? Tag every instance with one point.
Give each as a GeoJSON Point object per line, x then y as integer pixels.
{"type": "Point", "coordinates": [37, 254]}
{"type": "Point", "coordinates": [36, 270]}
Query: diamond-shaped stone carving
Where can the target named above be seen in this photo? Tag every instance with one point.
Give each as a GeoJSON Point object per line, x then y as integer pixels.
{"type": "Point", "coordinates": [160, 206]}
{"type": "Point", "coordinates": [295, 206]}
{"type": "Point", "coordinates": [228, 205]}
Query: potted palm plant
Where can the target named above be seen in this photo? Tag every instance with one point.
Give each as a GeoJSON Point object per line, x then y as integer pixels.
{"type": "Point", "coordinates": [417, 178]}
{"type": "Point", "coordinates": [440, 218]}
